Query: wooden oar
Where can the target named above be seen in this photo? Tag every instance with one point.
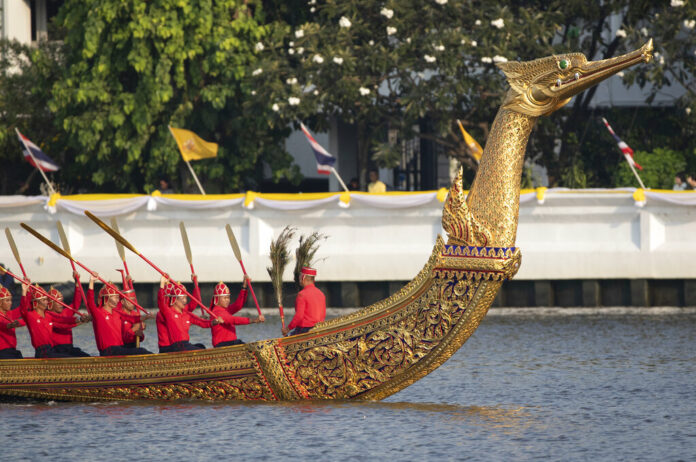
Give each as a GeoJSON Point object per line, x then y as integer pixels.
{"type": "Point", "coordinates": [69, 257]}
{"type": "Point", "coordinates": [40, 290]}
{"type": "Point", "coordinates": [122, 253]}
{"type": "Point", "coordinates": [187, 248]}
{"type": "Point", "coordinates": [13, 246]}
{"type": "Point", "coordinates": [119, 247]}
{"type": "Point", "coordinates": [66, 246]}
{"type": "Point", "coordinates": [238, 256]}
{"type": "Point", "coordinates": [130, 247]}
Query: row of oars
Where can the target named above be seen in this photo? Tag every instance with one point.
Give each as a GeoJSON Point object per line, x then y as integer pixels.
{"type": "Point", "coordinates": [121, 243]}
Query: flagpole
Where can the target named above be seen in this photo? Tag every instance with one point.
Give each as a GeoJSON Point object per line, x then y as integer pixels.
{"type": "Point", "coordinates": [36, 164]}
{"type": "Point", "coordinates": [339, 179]}
{"type": "Point", "coordinates": [195, 177]}
{"type": "Point", "coordinates": [198, 183]}
{"type": "Point", "coordinates": [633, 169]}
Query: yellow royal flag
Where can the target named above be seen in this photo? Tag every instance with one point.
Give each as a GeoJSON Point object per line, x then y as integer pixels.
{"type": "Point", "coordinates": [476, 149]}
{"type": "Point", "coordinates": [192, 146]}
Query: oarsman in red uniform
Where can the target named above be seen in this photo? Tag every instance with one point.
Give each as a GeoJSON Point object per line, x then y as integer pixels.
{"type": "Point", "coordinates": [62, 338]}
{"type": "Point", "coordinates": [41, 322]}
{"type": "Point", "coordinates": [310, 304]}
{"type": "Point", "coordinates": [225, 334]}
{"type": "Point", "coordinates": [163, 341]}
{"type": "Point", "coordinates": [178, 317]}
{"type": "Point", "coordinates": [8, 338]}
{"type": "Point", "coordinates": [130, 330]}
{"type": "Point", "coordinates": [107, 319]}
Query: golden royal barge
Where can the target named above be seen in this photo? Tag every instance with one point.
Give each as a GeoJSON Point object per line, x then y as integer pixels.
{"type": "Point", "coordinates": [380, 349]}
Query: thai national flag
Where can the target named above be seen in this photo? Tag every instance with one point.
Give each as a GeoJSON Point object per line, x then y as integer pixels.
{"type": "Point", "coordinates": [46, 164]}
{"type": "Point", "coordinates": [625, 149]}
{"type": "Point", "coordinates": [325, 161]}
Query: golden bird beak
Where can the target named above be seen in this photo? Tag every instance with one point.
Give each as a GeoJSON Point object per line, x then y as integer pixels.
{"type": "Point", "coordinates": [593, 72]}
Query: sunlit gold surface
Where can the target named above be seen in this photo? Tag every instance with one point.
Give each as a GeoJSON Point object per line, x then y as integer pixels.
{"type": "Point", "coordinates": [380, 349]}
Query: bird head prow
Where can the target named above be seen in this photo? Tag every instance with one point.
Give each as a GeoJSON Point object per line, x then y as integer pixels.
{"type": "Point", "coordinates": [542, 86]}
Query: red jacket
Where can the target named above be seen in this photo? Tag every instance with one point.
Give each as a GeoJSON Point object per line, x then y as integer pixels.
{"type": "Point", "coordinates": [226, 331]}
{"type": "Point", "coordinates": [127, 332]}
{"type": "Point", "coordinates": [163, 339]}
{"type": "Point", "coordinates": [178, 324]}
{"type": "Point", "coordinates": [41, 327]}
{"type": "Point", "coordinates": [107, 326]}
{"type": "Point", "coordinates": [62, 335]}
{"type": "Point", "coordinates": [310, 308]}
{"type": "Point", "coordinates": [8, 338]}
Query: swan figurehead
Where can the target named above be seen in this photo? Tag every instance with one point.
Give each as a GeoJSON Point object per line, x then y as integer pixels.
{"type": "Point", "coordinates": [540, 87]}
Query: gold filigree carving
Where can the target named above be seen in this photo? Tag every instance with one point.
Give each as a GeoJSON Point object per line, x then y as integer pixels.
{"type": "Point", "coordinates": [458, 222]}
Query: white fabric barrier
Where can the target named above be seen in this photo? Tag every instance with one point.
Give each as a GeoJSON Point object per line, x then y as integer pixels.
{"type": "Point", "coordinates": [563, 234]}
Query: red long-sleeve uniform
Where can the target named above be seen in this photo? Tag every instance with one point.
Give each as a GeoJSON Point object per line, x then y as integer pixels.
{"type": "Point", "coordinates": [310, 308]}
{"type": "Point", "coordinates": [8, 338]}
{"type": "Point", "coordinates": [226, 331]}
{"type": "Point", "coordinates": [163, 337]}
{"type": "Point", "coordinates": [127, 332]}
{"type": "Point", "coordinates": [107, 326]}
{"type": "Point", "coordinates": [178, 324]}
{"type": "Point", "coordinates": [62, 335]}
{"type": "Point", "coordinates": [41, 327]}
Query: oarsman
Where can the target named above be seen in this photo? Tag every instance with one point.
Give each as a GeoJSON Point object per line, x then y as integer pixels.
{"type": "Point", "coordinates": [163, 341]}
{"type": "Point", "coordinates": [130, 330]}
{"type": "Point", "coordinates": [225, 334]}
{"type": "Point", "coordinates": [62, 337]}
{"type": "Point", "coordinates": [9, 321]}
{"type": "Point", "coordinates": [107, 320]}
{"type": "Point", "coordinates": [310, 304]}
{"type": "Point", "coordinates": [178, 318]}
{"type": "Point", "coordinates": [41, 322]}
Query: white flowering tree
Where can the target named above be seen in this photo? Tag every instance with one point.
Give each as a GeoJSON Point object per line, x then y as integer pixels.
{"type": "Point", "coordinates": [399, 64]}
{"type": "Point", "coordinates": [672, 24]}
{"type": "Point", "coordinates": [393, 66]}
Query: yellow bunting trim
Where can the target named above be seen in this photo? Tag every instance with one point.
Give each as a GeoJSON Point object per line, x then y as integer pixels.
{"type": "Point", "coordinates": [442, 194]}
{"type": "Point", "coordinates": [249, 199]}
{"type": "Point", "coordinates": [540, 193]}
{"type": "Point", "coordinates": [345, 197]}
{"type": "Point", "coordinates": [639, 195]}
{"type": "Point", "coordinates": [53, 199]}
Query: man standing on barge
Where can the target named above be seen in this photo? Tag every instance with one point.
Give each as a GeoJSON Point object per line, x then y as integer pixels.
{"type": "Point", "coordinates": [310, 304]}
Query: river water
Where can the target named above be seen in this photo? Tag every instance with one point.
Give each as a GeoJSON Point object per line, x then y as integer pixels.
{"type": "Point", "coordinates": [527, 385]}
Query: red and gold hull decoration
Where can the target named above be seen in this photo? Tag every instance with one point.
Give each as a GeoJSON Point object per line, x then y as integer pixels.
{"type": "Point", "coordinates": [369, 354]}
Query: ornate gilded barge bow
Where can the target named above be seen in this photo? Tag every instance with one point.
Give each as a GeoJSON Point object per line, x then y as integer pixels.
{"type": "Point", "coordinates": [380, 349]}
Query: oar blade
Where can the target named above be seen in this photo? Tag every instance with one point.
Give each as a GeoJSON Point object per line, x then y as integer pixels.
{"type": "Point", "coordinates": [233, 242]}
{"type": "Point", "coordinates": [119, 247]}
{"type": "Point", "coordinates": [111, 232]}
{"type": "Point", "coordinates": [185, 240]}
{"type": "Point", "coordinates": [63, 236]}
{"type": "Point", "coordinates": [13, 246]}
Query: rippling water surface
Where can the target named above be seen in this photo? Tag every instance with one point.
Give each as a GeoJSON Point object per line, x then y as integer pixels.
{"type": "Point", "coordinates": [559, 387]}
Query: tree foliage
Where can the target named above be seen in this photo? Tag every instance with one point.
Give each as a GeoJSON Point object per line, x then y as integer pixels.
{"type": "Point", "coordinates": [659, 169]}
{"type": "Point", "coordinates": [240, 73]}
{"type": "Point", "coordinates": [26, 76]}
{"type": "Point", "coordinates": [391, 65]}
{"type": "Point", "coordinates": [136, 67]}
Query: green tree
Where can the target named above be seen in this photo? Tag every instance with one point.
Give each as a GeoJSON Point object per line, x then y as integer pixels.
{"type": "Point", "coordinates": [414, 67]}
{"type": "Point", "coordinates": [659, 169]}
{"type": "Point", "coordinates": [26, 76]}
{"type": "Point", "coordinates": [672, 24]}
{"type": "Point", "coordinates": [135, 67]}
